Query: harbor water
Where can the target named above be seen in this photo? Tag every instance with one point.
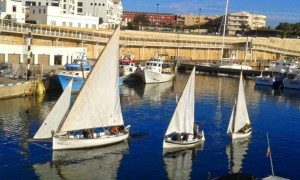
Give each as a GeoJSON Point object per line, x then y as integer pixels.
{"type": "Point", "coordinates": [148, 109]}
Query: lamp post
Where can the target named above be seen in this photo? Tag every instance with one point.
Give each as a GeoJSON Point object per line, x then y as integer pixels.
{"type": "Point", "coordinates": [199, 19]}
{"type": "Point", "coordinates": [156, 15]}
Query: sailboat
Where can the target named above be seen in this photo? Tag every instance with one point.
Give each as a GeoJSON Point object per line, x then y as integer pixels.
{"type": "Point", "coordinates": [227, 63]}
{"type": "Point", "coordinates": [182, 131]}
{"type": "Point", "coordinates": [239, 124]}
{"type": "Point", "coordinates": [96, 108]}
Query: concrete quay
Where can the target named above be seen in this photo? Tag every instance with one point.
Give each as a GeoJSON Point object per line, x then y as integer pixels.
{"type": "Point", "coordinates": [14, 87]}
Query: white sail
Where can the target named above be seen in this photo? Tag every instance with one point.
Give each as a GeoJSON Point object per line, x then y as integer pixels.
{"type": "Point", "coordinates": [98, 102]}
{"type": "Point", "coordinates": [241, 114]}
{"type": "Point", "coordinates": [56, 115]}
{"type": "Point", "coordinates": [183, 117]}
{"type": "Point", "coordinates": [230, 127]}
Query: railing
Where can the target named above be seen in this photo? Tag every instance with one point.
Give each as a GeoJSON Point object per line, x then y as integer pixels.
{"type": "Point", "coordinates": [99, 37]}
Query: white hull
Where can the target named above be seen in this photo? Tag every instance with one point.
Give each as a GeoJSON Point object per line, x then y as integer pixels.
{"type": "Point", "coordinates": [155, 77]}
{"type": "Point", "coordinates": [236, 66]}
{"type": "Point", "coordinates": [169, 144]}
{"type": "Point", "coordinates": [291, 84]}
{"type": "Point", "coordinates": [63, 143]}
{"type": "Point", "coordinates": [241, 135]}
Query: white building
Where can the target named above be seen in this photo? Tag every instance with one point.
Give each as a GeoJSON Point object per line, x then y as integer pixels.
{"type": "Point", "coordinates": [12, 10]}
{"type": "Point", "coordinates": [109, 10]}
{"type": "Point", "coordinates": [236, 19]}
{"type": "Point", "coordinates": [51, 15]}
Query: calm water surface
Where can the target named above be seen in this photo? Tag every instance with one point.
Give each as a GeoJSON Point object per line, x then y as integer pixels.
{"type": "Point", "coordinates": [149, 108]}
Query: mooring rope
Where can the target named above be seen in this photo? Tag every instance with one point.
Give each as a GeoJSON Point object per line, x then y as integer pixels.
{"type": "Point", "coordinates": [39, 145]}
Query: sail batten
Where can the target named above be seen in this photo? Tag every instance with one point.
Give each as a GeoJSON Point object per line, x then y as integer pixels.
{"type": "Point", "coordinates": [56, 115]}
{"type": "Point", "coordinates": [183, 117]}
{"type": "Point", "coordinates": [99, 101]}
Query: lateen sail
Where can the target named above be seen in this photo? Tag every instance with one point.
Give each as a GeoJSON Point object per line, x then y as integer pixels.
{"type": "Point", "coordinates": [56, 115]}
{"type": "Point", "coordinates": [98, 103]}
{"type": "Point", "coordinates": [230, 127]}
{"type": "Point", "coordinates": [183, 117]}
{"type": "Point", "coordinates": [241, 113]}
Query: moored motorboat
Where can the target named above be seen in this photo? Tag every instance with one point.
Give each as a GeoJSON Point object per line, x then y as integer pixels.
{"type": "Point", "coordinates": [157, 70]}
{"type": "Point", "coordinates": [292, 81]}
{"type": "Point", "coordinates": [270, 78]}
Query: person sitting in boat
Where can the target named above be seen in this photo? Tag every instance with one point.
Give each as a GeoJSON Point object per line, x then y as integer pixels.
{"type": "Point", "coordinates": [196, 130]}
{"type": "Point", "coordinates": [115, 130]}
{"type": "Point", "coordinates": [85, 133]}
{"type": "Point", "coordinates": [176, 137]}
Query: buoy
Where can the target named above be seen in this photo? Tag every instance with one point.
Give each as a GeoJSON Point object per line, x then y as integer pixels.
{"type": "Point", "coordinates": [40, 88]}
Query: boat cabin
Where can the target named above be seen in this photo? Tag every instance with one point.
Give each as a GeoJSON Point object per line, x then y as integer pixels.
{"type": "Point", "coordinates": [159, 65]}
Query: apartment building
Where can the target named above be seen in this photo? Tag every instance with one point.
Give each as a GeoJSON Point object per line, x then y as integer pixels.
{"type": "Point", "coordinates": [12, 10]}
{"type": "Point", "coordinates": [154, 18]}
{"type": "Point", "coordinates": [236, 19]}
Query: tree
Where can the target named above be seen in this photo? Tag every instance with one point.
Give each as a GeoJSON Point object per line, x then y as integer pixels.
{"type": "Point", "coordinates": [244, 28]}
{"type": "Point", "coordinates": [140, 19]}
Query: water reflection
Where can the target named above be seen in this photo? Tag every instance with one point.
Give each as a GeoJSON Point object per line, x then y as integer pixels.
{"type": "Point", "coordinates": [235, 153]}
{"type": "Point", "coordinates": [98, 163]}
{"type": "Point", "coordinates": [178, 164]}
{"type": "Point", "coordinates": [132, 94]}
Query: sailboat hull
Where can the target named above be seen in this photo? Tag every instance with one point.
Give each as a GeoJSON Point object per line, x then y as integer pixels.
{"type": "Point", "coordinates": [241, 135]}
{"type": "Point", "coordinates": [64, 143]}
{"type": "Point", "coordinates": [169, 144]}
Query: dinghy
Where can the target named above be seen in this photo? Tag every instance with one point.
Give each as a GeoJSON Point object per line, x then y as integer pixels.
{"type": "Point", "coordinates": [182, 131]}
{"type": "Point", "coordinates": [239, 124]}
{"type": "Point", "coordinates": [95, 110]}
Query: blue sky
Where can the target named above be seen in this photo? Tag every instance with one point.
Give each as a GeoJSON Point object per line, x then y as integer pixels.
{"type": "Point", "coordinates": [276, 10]}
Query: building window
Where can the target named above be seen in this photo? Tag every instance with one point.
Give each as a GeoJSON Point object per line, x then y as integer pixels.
{"type": "Point", "coordinates": [95, 4]}
{"type": "Point", "coordinates": [94, 26]}
{"type": "Point", "coordinates": [33, 11]}
{"type": "Point", "coordinates": [99, 4]}
{"type": "Point", "coordinates": [64, 23]}
{"type": "Point", "coordinates": [79, 4]}
{"type": "Point", "coordinates": [46, 4]}
{"type": "Point", "coordinates": [39, 3]}
{"type": "Point", "coordinates": [44, 11]}
{"type": "Point", "coordinates": [91, 4]}
{"type": "Point", "coordinates": [65, 6]}
{"type": "Point", "coordinates": [40, 11]}
{"type": "Point", "coordinates": [87, 25]}
{"type": "Point", "coordinates": [70, 24]}
{"type": "Point", "coordinates": [103, 4]}
{"type": "Point", "coordinates": [53, 23]}
{"type": "Point", "coordinates": [79, 10]}
{"type": "Point", "coordinates": [14, 8]}
{"type": "Point", "coordinates": [79, 24]}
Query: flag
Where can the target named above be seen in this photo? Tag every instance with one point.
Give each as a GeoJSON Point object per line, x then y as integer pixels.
{"type": "Point", "coordinates": [268, 152]}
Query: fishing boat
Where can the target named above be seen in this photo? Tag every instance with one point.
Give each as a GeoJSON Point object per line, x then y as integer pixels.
{"type": "Point", "coordinates": [157, 70]}
{"type": "Point", "coordinates": [96, 109]}
{"type": "Point", "coordinates": [182, 131]}
{"type": "Point", "coordinates": [239, 124]}
{"type": "Point", "coordinates": [128, 68]}
{"type": "Point", "coordinates": [78, 70]}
